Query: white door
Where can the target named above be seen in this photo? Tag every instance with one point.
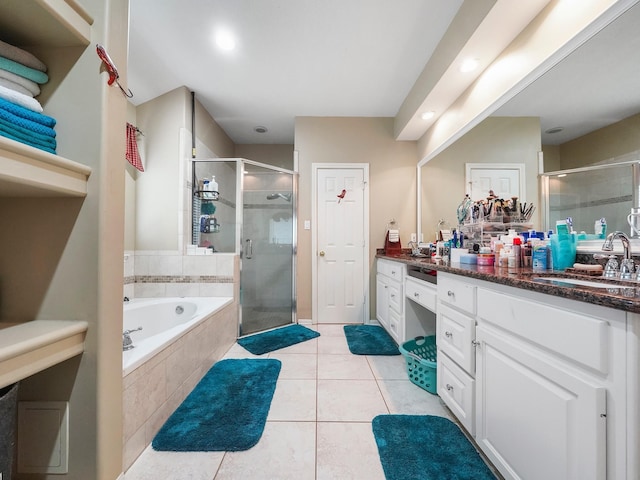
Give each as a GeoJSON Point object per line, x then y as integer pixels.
{"type": "Point", "coordinates": [505, 181]}
{"type": "Point", "coordinates": [340, 245]}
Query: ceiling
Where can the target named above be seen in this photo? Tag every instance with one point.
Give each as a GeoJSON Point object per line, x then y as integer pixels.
{"type": "Point", "coordinates": [293, 57]}
{"type": "Point", "coordinates": [359, 58]}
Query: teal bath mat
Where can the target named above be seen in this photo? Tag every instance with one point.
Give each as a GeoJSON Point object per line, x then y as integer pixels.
{"type": "Point", "coordinates": [370, 340]}
{"type": "Point", "coordinates": [276, 339]}
{"type": "Point", "coordinates": [426, 447]}
{"type": "Point", "coordinates": [226, 411]}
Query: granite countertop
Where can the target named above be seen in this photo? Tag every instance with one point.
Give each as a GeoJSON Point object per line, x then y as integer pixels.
{"type": "Point", "coordinates": [623, 295]}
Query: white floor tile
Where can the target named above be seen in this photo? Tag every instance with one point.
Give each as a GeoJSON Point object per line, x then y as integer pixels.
{"type": "Point", "coordinates": [238, 351]}
{"type": "Point", "coordinates": [347, 451]}
{"type": "Point", "coordinates": [297, 365]}
{"type": "Point", "coordinates": [388, 367]}
{"type": "Point", "coordinates": [152, 465]}
{"type": "Point", "coordinates": [344, 367]}
{"type": "Point", "coordinates": [404, 397]}
{"type": "Point", "coordinates": [330, 330]}
{"type": "Point", "coordinates": [294, 400]}
{"type": "Point", "coordinates": [286, 451]}
{"type": "Point", "coordinates": [333, 345]}
{"type": "Point", "coordinates": [308, 346]}
{"type": "Point", "coordinates": [349, 401]}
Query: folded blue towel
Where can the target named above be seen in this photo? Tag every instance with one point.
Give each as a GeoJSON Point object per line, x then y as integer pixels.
{"type": "Point", "coordinates": [31, 137]}
{"type": "Point", "coordinates": [24, 123]}
{"type": "Point", "coordinates": [30, 133]}
{"type": "Point", "coordinates": [27, 114]}
{"type": "Point", "coordinates": [26, 142]}
{"type": "Point", "coordinates": [24, 71]}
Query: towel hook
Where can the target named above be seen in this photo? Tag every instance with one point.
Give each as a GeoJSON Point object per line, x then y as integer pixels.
{"type": "Point", "coordinates": [108, 64]}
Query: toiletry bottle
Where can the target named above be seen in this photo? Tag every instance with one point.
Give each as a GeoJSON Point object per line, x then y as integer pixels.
{"type": "Point", "coordinates": [213, 187]}
{"type": "Point", "coordinates": [540, 256]}
{"type": "Point", "coordinates": [517, 252]}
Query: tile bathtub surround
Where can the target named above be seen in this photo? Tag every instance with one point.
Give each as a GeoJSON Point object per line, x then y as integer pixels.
{"type": "Point", "coordinates": [155, 389]}
{"type": "Point", "coordinates": [319, 424]}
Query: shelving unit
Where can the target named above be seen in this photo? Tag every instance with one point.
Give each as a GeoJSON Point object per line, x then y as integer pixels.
{"type": "Point", "coordinates": [481, 232]}
{"type": "Point", "coordinates": [27, 172]}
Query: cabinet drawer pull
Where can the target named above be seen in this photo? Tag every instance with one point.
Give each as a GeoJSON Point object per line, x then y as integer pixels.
{"type": "Point", "coordinates": [393, 295]}
{"type": "Point", "coordinates": [475, 344]}
{"type": "Point", "coordinates": [449, 387]}
{"type": "Point", "coordinates": [448, 334]}
{"type": "Point", "coordinates": [393, 272]}
{"type": "Point", "coordinates": [450, 293]}
{"type": "Point", "coordinates": [416, 294]}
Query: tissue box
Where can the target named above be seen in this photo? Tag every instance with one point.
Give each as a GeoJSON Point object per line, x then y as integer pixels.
{"type": "Point", "coordinates": [456, 253]}
{"type": "Point", "coordinates": [469, 258]}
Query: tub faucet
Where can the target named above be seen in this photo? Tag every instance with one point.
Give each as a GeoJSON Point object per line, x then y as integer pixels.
{"type": "Point", "coordinates": [127, 343]}
{"type": "Point", "coordinates": [626, 266]}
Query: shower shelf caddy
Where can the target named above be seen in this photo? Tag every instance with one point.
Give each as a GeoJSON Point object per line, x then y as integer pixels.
{"type": "Point", "coordinates": [27, 172]}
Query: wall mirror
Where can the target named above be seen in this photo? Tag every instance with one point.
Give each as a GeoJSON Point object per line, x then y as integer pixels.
{"type": "Point", "coordinates": [584, 111]}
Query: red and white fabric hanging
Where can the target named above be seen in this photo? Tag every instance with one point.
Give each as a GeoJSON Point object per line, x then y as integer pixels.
{"type": "Point", "coordinates": [132, 155]}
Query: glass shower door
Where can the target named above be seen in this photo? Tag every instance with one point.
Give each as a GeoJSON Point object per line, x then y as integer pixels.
{"type": "Point", "coordinates": [268, 249]}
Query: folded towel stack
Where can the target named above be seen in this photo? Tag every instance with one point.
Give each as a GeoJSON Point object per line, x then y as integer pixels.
{"type": "Point", "coordinates": [21, 117]}
{"type": "Point", "coordinates": [394, 236]}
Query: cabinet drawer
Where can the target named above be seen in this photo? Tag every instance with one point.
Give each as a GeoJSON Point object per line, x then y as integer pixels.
{"type": "Point", "coordinates": [455, 334]}
{"type": "Point", "coordinates": [457, 390]}
{"type": "Point", "coordinates": [574, 335]}
{"type": "Point", "coordinates": [457, 294]}
{"type": "Point", "coordinates": [422, 293]}
{"type": "Point", "coordinates": [396, 271]}
{"type": "Point", "coordinates": [395, 296]}
{"type": "Point", "coordinates": [395, 326]}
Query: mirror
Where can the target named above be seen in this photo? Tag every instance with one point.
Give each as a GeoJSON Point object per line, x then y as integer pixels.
{"type": "Point", "coordinates": [584, 111]}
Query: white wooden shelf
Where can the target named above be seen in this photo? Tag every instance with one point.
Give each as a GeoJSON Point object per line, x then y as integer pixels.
{"type": "Point", "coordinates": [48, 23]}
{"type": "Point", "coordinates": [28, 348]}
{"type": "Point", "coordinates": [26, 171]}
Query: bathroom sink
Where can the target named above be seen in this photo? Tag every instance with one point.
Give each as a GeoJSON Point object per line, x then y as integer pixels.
{"type": "Point", "coordinates": [575, 282]}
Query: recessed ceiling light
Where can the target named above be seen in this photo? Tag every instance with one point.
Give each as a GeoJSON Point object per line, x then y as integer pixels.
{"type": "Point", "coordinates": [225, 40]}
{"type": "Point", "coordinates": [428, 115]}
{"type": "Point", "coordinates": [260, 129]}
{"type": "Point", "coordinates": [554, 130]}
{"type": "Point", "coordinates": [469, 65]}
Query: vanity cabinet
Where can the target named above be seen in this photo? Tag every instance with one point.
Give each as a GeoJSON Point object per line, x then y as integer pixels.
{"type": "Point", "coordinates": [550, 385]}
{"type": "Point", "coordinates": [389, 297]}
{"type": "Point", "coordinates": [455, 336]}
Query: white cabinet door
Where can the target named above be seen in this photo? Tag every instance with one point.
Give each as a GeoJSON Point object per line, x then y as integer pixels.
{"type": "Point", "coordinates": [382, 301]}
{"type": "Point", "coordinates": [535, 420]}
{"type": "Point", "coordinates": [456, 388]}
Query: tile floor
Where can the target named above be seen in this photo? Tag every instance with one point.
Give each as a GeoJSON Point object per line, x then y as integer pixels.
{"type": "Point", "coordinates": [319, 425]}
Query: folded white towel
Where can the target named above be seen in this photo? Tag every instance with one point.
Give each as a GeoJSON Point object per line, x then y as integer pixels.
{"type": "Point", "coordinates": [20, 99]}
{"type": "Point", "coordinates": [30, 85]}
{"type": "Point", "coordinates": [394, 236]}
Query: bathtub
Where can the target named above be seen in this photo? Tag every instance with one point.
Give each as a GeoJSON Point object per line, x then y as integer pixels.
{"type": "Point", "coordinates": [163, 321]}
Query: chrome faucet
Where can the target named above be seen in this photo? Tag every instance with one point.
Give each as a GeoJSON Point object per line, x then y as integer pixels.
{"type": "Point", "coordinates": [127, 343]}
{"type": "Point", "coordinates": [626, 266]}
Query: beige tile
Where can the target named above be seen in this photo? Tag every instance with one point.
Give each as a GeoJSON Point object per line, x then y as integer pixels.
{"type": "Point", "coordinates": [309, 346]}
{"type": "Point", "coordinates": [388, 367]}
{"type": "Point", "coordinates": [294, 400]}
{"type": "Point", "coordinates": [152, 465]}
{"type": "Point", "coordinates": [404, 397]}
{"type": "Point", "coordinates": [286, 451]}
{"type": "Point", "coordinates": [237, 351]}
{"type": "Point", "coordinates": [330, 330]}
{"type": "Point", "coordinates": [342, 367]}
{"type": "Point", "coordinates": [297, 365]}
{"type": "Point", "coordinates": [347, 450]}
{"type": "Point", "coordinates": [349, 401]}
{"type": "Point", "coordinates": [333, 345]}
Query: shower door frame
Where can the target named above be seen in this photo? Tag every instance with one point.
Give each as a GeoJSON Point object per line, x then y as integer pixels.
{"type": "Point", "coordinates": [240, 232]}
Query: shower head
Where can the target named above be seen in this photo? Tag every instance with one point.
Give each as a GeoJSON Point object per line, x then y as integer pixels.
{"type": "Point", "coordinates": [284, 196]}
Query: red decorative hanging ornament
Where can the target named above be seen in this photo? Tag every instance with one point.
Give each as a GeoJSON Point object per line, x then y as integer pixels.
{"type": "Point", "coordinates": [341, 195]}
{"type": "Point", "coordinates": [109, 66]}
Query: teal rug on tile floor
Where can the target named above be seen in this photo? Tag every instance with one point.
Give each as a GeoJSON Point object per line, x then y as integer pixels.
{"type": "Point", "coordinates": [226, 411]}
{"type": "Point", "coordinates": [266, 342]}
{"type": "Point", "coordinates": [370, 340]}
{"type": "Point", "coordinates": [426, 447]}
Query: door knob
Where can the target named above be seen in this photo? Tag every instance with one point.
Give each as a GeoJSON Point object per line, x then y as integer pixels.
{"type": "Point", "coordinates": [321, 253]}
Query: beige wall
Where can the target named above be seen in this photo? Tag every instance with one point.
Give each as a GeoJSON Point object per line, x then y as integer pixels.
{"type": "Point", "coordinates": [276, 155]}
{"type": "Point", "coordinates": [130, 176]}
{"type": "Point", "coordinates": [159, 195]}
{"type": "Point", "coordinates": [606, 143]}
{"type": "Point", "coordinates": [495, 140]}
{"type": "Point", "coordinates": [392, 188]}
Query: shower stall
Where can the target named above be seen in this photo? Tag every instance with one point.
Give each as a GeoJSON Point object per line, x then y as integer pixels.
{"type": "Point", "coordinates": [253, 214]}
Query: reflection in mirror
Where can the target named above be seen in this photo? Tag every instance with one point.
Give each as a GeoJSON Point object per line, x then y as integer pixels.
{"type": "Point", "coordinates": [585, 111]}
